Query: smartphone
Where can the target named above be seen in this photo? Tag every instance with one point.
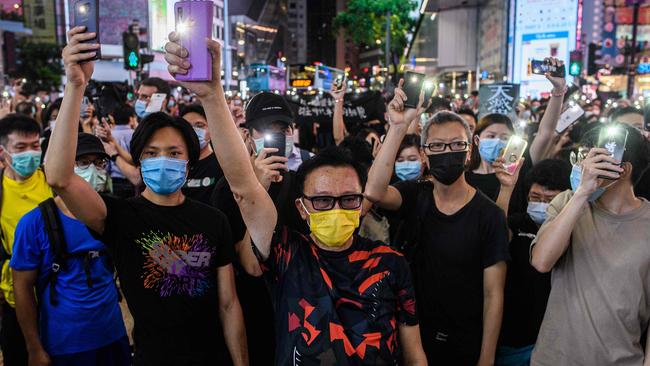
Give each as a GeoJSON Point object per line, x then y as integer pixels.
{"type": "Point", "coordinates": [338, 82]}
{"type": "Point", "coordinates": [86, 14]}
{"type": "Point", "coordinates": [276, 141]}
{"type": "Point", "coordinates": [513, 152]}
{"type": "Point", "coordinates": [156, 103]}
{"type": "Point", "coordinates": [541, 67]}
{"type": "Point", "coordinates": [613, 138]}
{"type": "Point", "coordinates": [413, 82]}
{"type": "Point", "coordinates": [568, 118]}
{"type": "Point", "coordinates": [84, 106]}
{"type": "Point", "coordinates": [194, 24]}
{"type": "Point", "coordinates": [429, 88]}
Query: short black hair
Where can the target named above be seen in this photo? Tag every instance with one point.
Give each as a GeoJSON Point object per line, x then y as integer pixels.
{"type": "Point", "coordinates": [122, 113]}
{"type": "Point", "coordinates": [439, 104]}
{"type": "Point", "coordinates": [550, 173]}
{"type": "Point", "coordinates": [468, 112]}
{"type": "Point", "coordinates": [161, 85]}
{"type": "Point", "coordinates": [410, 140]}
{"type": "Point", "coordinates": [156, 121]}
{"type": "Point", "coordinates": [331, 156]}
{"type": "Point", "coordinates": [359, 149]}
{"type": "Point", "coordinates": [26, 108]}
{"type": "Point", "coordinates": [192, 108]}
{"type": "Point", "coordinates": [616, 113]}
{"type": "Point", "coordinates": [19, 123]}
{"type": "Point", "coordinates": [55, 105]}
{"type": "Point", "coordinates": [637, 148]}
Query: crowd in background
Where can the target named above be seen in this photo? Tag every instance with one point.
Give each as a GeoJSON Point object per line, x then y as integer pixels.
{"type": "Point", "coordinates": [182, 235]}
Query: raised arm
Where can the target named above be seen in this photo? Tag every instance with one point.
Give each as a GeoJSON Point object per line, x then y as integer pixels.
{"type": "Point", "coordinates": [257, 208]}
{"type": "Point", "coordinates": [542, 143]}
{"type": "Point", "coordinates": [78, 195]}
{"type": "Point", "coordinates": [338, 126]}
{"type": "Point", "coordinates": [555, 236]}
{"type": "Point", "coordinates": [378, 190]}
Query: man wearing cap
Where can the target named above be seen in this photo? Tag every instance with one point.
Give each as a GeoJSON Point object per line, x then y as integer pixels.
{"type": "Point", "coordinates": [268, 114]}
{"type": "Point", "coordinates": [78, 319]}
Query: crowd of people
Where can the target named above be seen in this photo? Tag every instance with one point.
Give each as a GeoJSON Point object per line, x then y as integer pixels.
{"type": "Point", "coordinates": [181, 237]}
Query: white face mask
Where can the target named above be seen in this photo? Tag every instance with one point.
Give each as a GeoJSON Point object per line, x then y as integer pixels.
{"type": "Point", "coordinates": [537, 211]}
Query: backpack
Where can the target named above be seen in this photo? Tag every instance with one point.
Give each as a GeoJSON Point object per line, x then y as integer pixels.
{"type": "Point", "coordinates": [54, 230]}
{"type": "Point", "coordinates": [407, 237]}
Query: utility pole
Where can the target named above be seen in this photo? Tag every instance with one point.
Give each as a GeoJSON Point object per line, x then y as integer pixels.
{"type": "Point", "coordinates": [631, 71]}
{"type": "Point", "coordinates": [387, 52]}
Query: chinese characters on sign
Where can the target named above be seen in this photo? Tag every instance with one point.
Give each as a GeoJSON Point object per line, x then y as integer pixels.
{"type": "Point", "coordinates": [498, 98]}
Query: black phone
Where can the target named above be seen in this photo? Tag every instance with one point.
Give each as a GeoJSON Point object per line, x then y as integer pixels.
{"type": "Point", "coordinates": [413, 82]}
{"type": "Point", "coordinates": [429, 88]}
{"type": "Point", "coordinates": [86, 14]}
{"type": "Point", "coordinates": [541, 67]}
{"type": "Point", "coordinates": [276, 141]}
{"type": "Point", "coordinates": [613, 138]}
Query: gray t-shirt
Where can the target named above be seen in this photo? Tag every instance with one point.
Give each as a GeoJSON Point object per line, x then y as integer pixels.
{"type": "Point", "coordinates": [599, 306]}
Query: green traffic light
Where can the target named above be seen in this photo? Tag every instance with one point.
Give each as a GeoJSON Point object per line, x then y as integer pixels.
{"type": "Point", "coordinates": [133, 59]}
{"type": "Point", "coordinates": [575, 68]}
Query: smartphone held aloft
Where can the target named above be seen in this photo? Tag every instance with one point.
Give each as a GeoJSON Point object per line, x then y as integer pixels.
{"type": "Point", "coordinates": [194, 25]}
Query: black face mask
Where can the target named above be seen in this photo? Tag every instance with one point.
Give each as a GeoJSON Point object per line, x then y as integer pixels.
{"type": "Point", "coordinates": [447, 167]}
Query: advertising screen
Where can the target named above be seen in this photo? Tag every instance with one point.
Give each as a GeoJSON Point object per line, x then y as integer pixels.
{"type": "Point", "coordinates": [543, 28]}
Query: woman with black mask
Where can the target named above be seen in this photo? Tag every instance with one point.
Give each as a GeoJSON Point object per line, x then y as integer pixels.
{"type": "Point", "coordinates": [459, 244]}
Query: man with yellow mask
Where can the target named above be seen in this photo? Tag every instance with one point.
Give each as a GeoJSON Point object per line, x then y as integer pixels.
{"type": "Point", "coordinates": [339, 299]}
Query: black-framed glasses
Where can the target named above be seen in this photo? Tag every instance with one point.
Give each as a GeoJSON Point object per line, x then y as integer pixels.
{"type": "Point", "coordinates": [326, 203]}
{"type": "Point", "coordinates": [436, 147]}
{"type": "Point", "coordinates": [100, 163]}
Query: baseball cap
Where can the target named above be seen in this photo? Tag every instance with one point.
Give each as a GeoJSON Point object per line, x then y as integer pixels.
{"type": "Point", "coordinates": [89, 144]}
{"type": "Point", "coordinates": [265, 108]}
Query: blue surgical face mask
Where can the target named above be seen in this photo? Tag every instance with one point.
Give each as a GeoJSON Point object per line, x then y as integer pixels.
{"type": "Point", "coordinates": [97, 178]}
{"type": "Point", "coordinates": [259, 144]}
{"type": "Point", "coordinates": [576, 177]}
{"type": "Point", "coordinates": [140, 108]}
{"type": "Point", "coordinates": [26, 163]}
{"type": "Point", "coordinates": [164, 175]}
{"type": "Point", "coordinates": [537, 211]}
{"type": "Point", "coordinates": [490, 149]}
{"type": "Point", "coordinates": [408, 170]}
{"type": "Point", "coordinates": [200, 133]}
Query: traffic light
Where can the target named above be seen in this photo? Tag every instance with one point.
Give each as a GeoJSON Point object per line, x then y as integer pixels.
{"type": "Point", "coordinates": [131, 46]}
{"type": "Point", "coordinates": [575, 63]}
{"type": "Point", "coordinates": [593, 57]}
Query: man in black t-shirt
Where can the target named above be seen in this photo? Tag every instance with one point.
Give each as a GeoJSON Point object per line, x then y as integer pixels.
{"type": "Point", "coordinates": [339, 299]}
{"type": "Point", "coordinates": [172, 253]}
{"type": "Point", "coordinates": [526, 291]}
{"type": "Point", "coordinates": [459, 241]}
{"type": "Point", "coordinates": [205, 174]}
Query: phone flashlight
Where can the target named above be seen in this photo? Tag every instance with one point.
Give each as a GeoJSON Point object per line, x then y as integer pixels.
{"type": "Point", "coordinates": [182, 27]}
{"type": "Point", "coordinates": [516, 139]}
{"type": "Point", "coordinates": [613, 131]}
{"type": "Point", "coordinates": [83, 9]}
{"type": "Point", "coordinates": [414, 79]}
{"type": "Point", "coordinates": [428, 84]}
{"type": "Point", "coordinates": [5, 94]}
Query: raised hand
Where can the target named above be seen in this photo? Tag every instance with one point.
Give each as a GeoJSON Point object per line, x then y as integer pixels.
{"type": "Point", "coordinates": [507, 174]}
{"type": "Point", "coordinates": [558, 83]}
{"type": "Point", "coordinates": [338, 94]}
{"type": "Point", "coordinates": [78, 68]}
{"type": "Point", "coordinates": [176, 57]}
{"type": "Point", "coordinates": [599, 163]}
{"type": "Point", "coordinates": [399, 115]}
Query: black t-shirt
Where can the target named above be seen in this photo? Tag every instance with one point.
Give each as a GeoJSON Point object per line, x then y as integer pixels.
{"type": "Point", "coordinates": [284, 194]}
{"type": "Point", "coordinates": [486, 183]}
{"type": "Point", "coordinates": [448, 264]}
{"type": "Point", "coordinates": [527, 290]}
{"type": "Point", "coordinates": [202, 179]}
{"type": "Point", "coordinates": [167, 260]}
{"type": "Point", "coordinates": [338, 308]}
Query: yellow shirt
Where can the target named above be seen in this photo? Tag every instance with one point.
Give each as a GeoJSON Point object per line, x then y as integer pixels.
{"type": "Point", "coordinates": [18, 198]}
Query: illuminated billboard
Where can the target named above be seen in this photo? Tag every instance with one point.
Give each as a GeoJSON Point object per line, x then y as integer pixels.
{"type": "Point", "coordinates": [542, 28]}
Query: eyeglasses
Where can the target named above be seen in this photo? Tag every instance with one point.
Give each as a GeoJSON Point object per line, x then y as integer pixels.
{"type": "Point", "coordinates": [326, 203]}
{"type": "Point", "coordinates": [101, 163]}
{"type": "Point", "coordinates": [436, 147]}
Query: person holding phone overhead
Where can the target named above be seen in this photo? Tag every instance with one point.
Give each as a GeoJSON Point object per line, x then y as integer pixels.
{"type": "Point", "coordinates": [173, 254]}
{"type": "Point", "coordinates": [595, 240]}
{"type": "Point", "coordinates": [148, 88]}
{"type": "Point", "coordinates": [339, 299]}
{"type": "Point", "coordinates": [458, 246]}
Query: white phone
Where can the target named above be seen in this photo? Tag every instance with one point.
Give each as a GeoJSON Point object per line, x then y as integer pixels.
{"type": "Point", "coordinates": [569, 117]}
{"type": "Point", "coordinates": [156, 103]}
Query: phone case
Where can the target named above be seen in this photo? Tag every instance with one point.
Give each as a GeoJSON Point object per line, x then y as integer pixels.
{"type": "Point", "coordinates": [613, 142]}
{"type": "Point", "coordinates": [513, 153]}
{"type": "Point", "coordinates": [194, 21]}
{"type": "Point", "coordinates": [276, 141]}
{"type": "Point", "coordinates": [156, 103]}
{"type": "Point", "coordinates": [86, 14]}
{"type": "Point", "coordinates": [412, 87]}
{"type": "Point", "coordinates": [568, 118]}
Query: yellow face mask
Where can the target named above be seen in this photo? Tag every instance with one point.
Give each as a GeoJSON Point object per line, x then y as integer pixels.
{"type": "Point", "coordinates": [334, 227]}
